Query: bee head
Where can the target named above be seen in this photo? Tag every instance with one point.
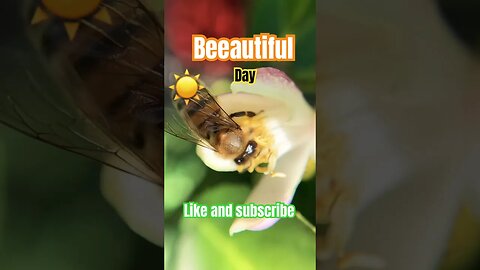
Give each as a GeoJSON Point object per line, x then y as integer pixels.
{"type": "Point", "coordinates": [247, 153]}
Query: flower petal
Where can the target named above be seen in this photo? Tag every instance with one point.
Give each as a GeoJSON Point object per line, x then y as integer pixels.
{"type": "Point", "coordinates": [255, 102]}
{"type": "Point", "coordinates": [276, 189]}
{"type": "Point", "coordinates": [276, 85]}
{"type": "Point", "coordinates": [138, 202]}
{"type": "Point", "coordinates": [419, 229]}
{"type": "Point", "coordinates": [215, 161]}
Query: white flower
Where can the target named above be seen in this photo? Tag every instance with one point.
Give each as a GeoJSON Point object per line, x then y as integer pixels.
{"type": "Point", "coordinates": [289, 120]}
{"type": "Point", "coordinates": [137, 201]}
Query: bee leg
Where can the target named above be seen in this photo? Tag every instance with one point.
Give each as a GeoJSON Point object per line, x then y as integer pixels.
{"type": "Point", "coordinates": [249, 166]}
{"type": "Point", "coordinates": [241, 168]}
{"type": "Point", "coordinates": [272, 162]}
{"type": "Point", "coordinates": [271, 167]}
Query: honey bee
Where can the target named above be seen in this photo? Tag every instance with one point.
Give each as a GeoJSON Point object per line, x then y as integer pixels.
{"type": "Point", "coordinates": [239, 136]}
{"type": "Point", "coordinates": [95, 89]}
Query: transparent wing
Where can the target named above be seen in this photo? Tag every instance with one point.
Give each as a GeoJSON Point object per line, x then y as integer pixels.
{"type": "Point", "coordinates": [210, 104]}
{"type": "Point", "coordinates": [77, 94]}
{"type": "Point", "coordinates": [176, 126]}
{"type": "Point", "coordinates": [29, 107]}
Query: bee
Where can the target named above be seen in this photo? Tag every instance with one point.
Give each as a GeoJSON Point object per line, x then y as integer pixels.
{"type": "Point", "coordinates": [92, 85]}
{"type": "Point", "coordinates": [239, 136]}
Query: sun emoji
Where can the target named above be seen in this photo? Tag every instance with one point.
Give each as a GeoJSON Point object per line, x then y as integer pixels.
{"type": "Point", "coordinates": [72, 12]}
{"type": "Point", "coordinates": [186, 87]}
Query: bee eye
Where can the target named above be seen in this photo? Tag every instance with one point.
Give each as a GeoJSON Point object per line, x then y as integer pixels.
{"type": "Point", "coordinates": [249, 150]}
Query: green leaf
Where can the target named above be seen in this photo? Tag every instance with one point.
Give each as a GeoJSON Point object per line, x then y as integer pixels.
{"type": "Point", "coordinates": [206, 243]}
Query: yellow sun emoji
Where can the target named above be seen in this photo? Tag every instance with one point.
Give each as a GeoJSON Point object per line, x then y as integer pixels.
{"type": "Point", "coordinates": [186, 87]}
{"type": "Point", "coordinates": [72, 12]}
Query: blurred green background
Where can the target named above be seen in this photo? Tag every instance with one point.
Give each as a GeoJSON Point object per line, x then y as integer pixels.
{"type": "Point", "coordinates": [53, 216]}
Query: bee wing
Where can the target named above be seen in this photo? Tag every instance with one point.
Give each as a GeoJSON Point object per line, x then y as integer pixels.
{"type": "Point", "coordinates": [222, 117]}
{"type": "Point", "coordinates": [76, 94]}
{"type": "Point", "coordinates": [38, 110]}
{"type": "Point", "coordinates": [203, 103]}
{"type": "Point", "coordinates": [176, 125]}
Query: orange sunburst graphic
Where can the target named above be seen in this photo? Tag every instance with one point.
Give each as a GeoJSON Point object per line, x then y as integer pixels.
{"type": "Point", "coordinates": [73, 12]}
{"type": "Point", "coordinates": [186, 87]}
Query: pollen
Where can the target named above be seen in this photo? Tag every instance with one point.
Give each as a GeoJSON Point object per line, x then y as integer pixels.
{"type": "Point", "coordinates": [256, 130]}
